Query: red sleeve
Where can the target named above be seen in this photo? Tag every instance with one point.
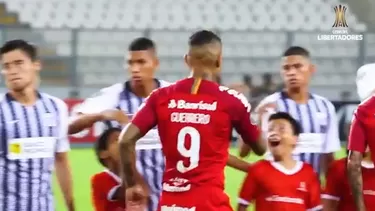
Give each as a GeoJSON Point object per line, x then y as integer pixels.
{"type": "Point", "coordinates": [248, 189]}
{"type": "Point", "coordinates": [314, 196]}
{"type": "Point", "coordinates": [242, 122]}
{"type": "Point", "coordinates": [146, 118]}
{"type": "Point", "coordinates": [100, 191]}
{"type": "Point", "coordinates": [357, 138]}
{"type": "Point", "coordinates": [333, 182]}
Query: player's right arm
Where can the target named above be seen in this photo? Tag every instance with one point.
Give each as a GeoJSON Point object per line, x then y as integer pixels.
{"type": "Point", "coordinates": [332, 190]}
{"type": "Point", "coordinates": [356, 146]}
{"type": "Point", "coordinates": [242, 123]}
{"type": "Point", "coordinates": [99, 107]}
{"type": "Point", "coordinates": [144, 120]}
{"type": "Point", "coordinates": [248, 191]}
{"type": "Point", "coordinates": [262, 112]}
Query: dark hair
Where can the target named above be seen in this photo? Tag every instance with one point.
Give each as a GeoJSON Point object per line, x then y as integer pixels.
{"type": "Point", "coordinates": [247, 78]}
{"type": "Point", "coordinates": [283, 115]}
{"type": "Point", "coordinates": [296, 51]}
{"type": "Point", "coordinates": [142, 44]}
{"type": "Point", "coordinates": [29, 49]}
{"type": "Point", "coordinates": [203, 37]}
{"type": "Point", "coordinates": [101, 143]}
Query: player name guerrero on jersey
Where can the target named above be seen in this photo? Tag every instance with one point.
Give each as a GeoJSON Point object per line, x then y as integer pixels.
{"type": "Point", "coordinates": [195, 118]}
{"type": "Point", "coordinates": [200, 118]}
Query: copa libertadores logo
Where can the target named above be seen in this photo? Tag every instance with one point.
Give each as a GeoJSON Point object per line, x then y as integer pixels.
{"type": "Point", "coordinates": [340, 28]}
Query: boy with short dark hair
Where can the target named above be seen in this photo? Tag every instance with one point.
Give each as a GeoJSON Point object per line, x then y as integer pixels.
{"type": "Point", "coordinates": [285, 183]}
{"type": "Point", "coordinates": [107, 189]}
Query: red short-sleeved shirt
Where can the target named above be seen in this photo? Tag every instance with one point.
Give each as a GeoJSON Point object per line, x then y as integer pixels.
{"type": "Point", "coordinates": [103, 186]}
{"type": "Point", "coordinates": [195, 130]}
{"type": "Point", "coordinates": [338, 189]}
{"type": "Point", "coordinates": [362, 130]}
{"type": "Point", "coordinates": [272, 187]}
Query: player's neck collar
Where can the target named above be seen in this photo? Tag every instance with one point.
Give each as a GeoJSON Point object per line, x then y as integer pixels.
{"type": "Point", "coordinates": [128, 87]}
{"type": "Point", "coordinates": [9, 97]}
{"type": "Point", "coordinates": [284, 170]}
{"type": "Point", "coordinates": [285, 95]}
{"type": "Point", "coordinates": [113, 175]}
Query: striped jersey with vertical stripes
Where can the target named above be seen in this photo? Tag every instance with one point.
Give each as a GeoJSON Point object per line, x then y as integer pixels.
{"type": "Point", "coordinates": [30, 137]}
{"type": "Point", "coordinates": [318, 122]}
{"type": "Point", "coordinates": [150, 159]}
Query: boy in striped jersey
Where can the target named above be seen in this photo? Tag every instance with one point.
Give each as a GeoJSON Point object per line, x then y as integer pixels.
{"type": "Point", "coordinates": [317, 116]}
{"type": "Point", "coordinates": [33, 133]}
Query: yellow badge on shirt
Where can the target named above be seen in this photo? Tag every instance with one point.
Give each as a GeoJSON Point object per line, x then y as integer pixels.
{"type": "Point", "coordinates": [15, 148]}
{"type": "Point", "coordinates": [30, 148]}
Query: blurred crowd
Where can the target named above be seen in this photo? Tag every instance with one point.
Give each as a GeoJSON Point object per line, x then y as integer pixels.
{"type": "Point", "coordinates": [256, 93]}
{"type": "Point", "coordinates": [268, 86]}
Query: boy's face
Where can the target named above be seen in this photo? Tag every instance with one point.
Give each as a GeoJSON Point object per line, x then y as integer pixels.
{"type": "Point", "coordinates": [281, 138]}
{"type": "Point", "coordinates": [112, 152]}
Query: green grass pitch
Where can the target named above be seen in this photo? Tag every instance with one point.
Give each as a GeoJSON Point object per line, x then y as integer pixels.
{"type": "Point", "coordinates": [84, 164]}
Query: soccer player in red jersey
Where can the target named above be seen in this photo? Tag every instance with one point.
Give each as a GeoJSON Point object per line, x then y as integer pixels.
{"type": "Point", "coordinates": [195, 117]}
{"type": "Point", "coordinates": [337, 194]}
{"type": "Point", "coordinates": [107, 190]}
{"type": "Point", "coordinates": [282, 184]}
{"type": "Point", "coordinates": [362, 133]}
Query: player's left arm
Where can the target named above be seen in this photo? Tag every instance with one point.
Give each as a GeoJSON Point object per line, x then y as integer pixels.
{"type": "Point", "coordinates": [356, 146]}
{"type": "Point", "coordinates": [314, 202]}
{"type": "Point", "coordinates": [248, 190]}
{"type": "Point", "coordinates": [333, 188]}
{"type": "Point", "coordinates": [62, 165]}
{"type": "Point", "coordinates": [144, 120]}
{"type": "Point", "coordinates": [332, 141]}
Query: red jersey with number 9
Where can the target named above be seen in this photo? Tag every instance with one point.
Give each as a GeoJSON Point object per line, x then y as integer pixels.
{"type": "Point", "coordinates": [195, 131]}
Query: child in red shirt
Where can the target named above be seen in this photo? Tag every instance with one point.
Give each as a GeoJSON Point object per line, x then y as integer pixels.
{"type": "Point", "coordinates": [107, 191]}
{"type": "Point", "coordinates": [282, 184]}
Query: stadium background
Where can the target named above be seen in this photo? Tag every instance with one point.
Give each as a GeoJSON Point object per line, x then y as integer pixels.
{"type": "Point", "coordinates": [82, 46]}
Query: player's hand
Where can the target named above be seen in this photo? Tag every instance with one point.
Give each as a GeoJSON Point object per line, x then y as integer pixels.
{"type": "Point", "coordinates": [115, 115]}
{"type": "Point", "coordinates": [264, 109]}
{"type": "Point", "coordinates": [136, 198]}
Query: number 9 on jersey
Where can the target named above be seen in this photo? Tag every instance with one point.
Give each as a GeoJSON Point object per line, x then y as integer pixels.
{"type": "Point", "coordinates": [193, 152]}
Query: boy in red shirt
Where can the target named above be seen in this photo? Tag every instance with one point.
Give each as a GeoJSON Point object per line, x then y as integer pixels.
{"type": "Point", "coordinates": [282, 184]}
{"type": "Point", "coordinates": [106, 186]}
{"type": "Point", "coordinates": [337, 195]}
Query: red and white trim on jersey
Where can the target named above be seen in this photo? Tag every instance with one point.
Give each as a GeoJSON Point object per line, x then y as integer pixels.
{"type": "Point", "coordinates": [367, 165]}
{"type": "Point", "coordinates": [286, 171]}
{"type": "Point", "coordinates": [319, 207]}
{"type": "Point", "coordinates": [114, 189]}
{"type": "Point", "coordinates": [243, 201]}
